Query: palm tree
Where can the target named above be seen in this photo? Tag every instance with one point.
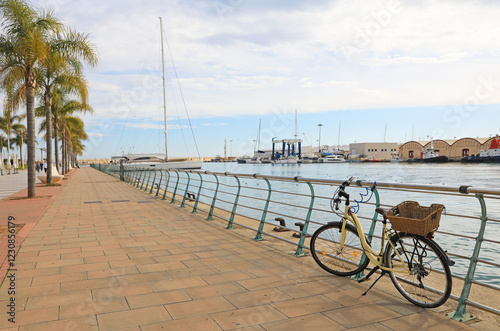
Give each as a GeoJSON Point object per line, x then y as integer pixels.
{"type": "Point", "coordinates": [7, 125]}
{"type": "Point", "coordinates": [62, 107]}
{"type": "Point", "coordinates": [63, 69]}
{"type": "Point", "coordinates": [24, 45]}
{"type": "Point", "coordinates": [19, 140]}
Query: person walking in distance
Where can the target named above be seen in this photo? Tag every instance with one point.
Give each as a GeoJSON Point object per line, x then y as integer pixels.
{"type": "Point", "coordinates": [45, 166]}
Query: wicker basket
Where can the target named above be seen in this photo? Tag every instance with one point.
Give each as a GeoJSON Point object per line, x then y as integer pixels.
{"type": "Point", "coordinates": [410, 217]}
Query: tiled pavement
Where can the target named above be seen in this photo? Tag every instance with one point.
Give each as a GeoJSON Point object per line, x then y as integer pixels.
{"type": "Point", "coordinates": [106, 256]}
{"type": "Point", "coordinates": [13, 182]}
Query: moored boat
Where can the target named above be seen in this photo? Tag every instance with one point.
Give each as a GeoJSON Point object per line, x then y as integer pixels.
{"type": "Point", "coordinates": [335, 158]}
{"type": "Point", "coordinates": [490, 155]}
{"type": "Point", "coordinates": [431, 156]}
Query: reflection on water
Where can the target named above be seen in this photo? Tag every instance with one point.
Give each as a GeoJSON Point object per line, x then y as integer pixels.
{"type": "Point", "coordinates": [449, 174]}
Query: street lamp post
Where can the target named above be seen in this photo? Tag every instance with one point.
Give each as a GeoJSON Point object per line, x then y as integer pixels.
{"type": "Point", "coordinates": [319, 140]}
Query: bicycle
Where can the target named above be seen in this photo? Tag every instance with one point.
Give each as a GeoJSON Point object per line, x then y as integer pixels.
{"type": "Point", "coordinates": [418, 267]}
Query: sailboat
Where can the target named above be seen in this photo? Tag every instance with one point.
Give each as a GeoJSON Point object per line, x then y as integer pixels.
{"type": "Point", "coordinates": [158, 161]}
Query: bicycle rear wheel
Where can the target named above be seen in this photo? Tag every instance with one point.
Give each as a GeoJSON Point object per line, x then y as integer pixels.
{"type": "Point", "coordinates": [324, 249]}
{"type": "Point", "coordinates": [428, 282]}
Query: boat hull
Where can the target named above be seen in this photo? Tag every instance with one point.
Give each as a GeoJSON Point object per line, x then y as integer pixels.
{"type": "Point", "coordinates": [481, 159]}
{"type": "Point", "coordinates": [186, 165]}
{"type": "Point", "coordinates": [437, 159]}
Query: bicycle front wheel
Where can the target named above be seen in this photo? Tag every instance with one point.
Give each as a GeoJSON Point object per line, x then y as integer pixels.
{"type": "Point", "coordinates": [427, 280]}
{"type": "Point", "coordinates": [325, 243]}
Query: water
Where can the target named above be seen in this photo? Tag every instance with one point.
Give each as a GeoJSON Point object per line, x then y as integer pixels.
{"type": "Point", "coordinates": [447, 174]}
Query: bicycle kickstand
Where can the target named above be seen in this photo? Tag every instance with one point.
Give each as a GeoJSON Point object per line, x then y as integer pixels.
{"type": "Point", "coordinates": [368, 276]}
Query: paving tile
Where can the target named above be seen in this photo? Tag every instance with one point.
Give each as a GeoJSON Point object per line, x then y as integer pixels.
{"type": "Point", "coordinates": [166, 266]}
{"type": "Point", "coordinates": [307, 322]}
{"type": "Point", "coordinates": [308, 289]}
{"type": "Point", "coordinates": [198, 307]}
{"type": "Point", "coordinates": [59, 299]}
{"type": "Point", "coordinates": [117, 291]}
{"type": "Point", "coordinates": [87, 323]}
{"type": "Point", "coordinates": [90, 308]}
{"type": "Point", "coordinates": [265, 282]}
{"type": "Point", "coordinates": [133, 317]}
{"type": "Point", "coordinates": [355, 316]}
{"type": "Point", "coordinates": [58, 263]}
{"type": "Point", "coordinates": [25, 317]}
{"type": "Point", "coordinates": [141, 278]}
{"type": "Point", "coordinates": [85, 267]}
{"type": "Point", "coordinates": [198, 271]}
{"type": "Point", "coordinates": [40, 290]}
{"type": "Point", "coordinates": [205, 323]}
{"type": "Point", "coordinates": [56, 279]}
{"type": "Point", "coordinates": [88, 284]}
{"type": "Point", "coordinates": [173, 284]}
{"type": "Point", "coordinates": [130, 270]}
{"type": "Point", "coordinates": [246, 317]}
{"type": "Point", "coordinates": [424, 320]}
{"type": "Point", "coordinates": [305, 306]}
{"type": "Point", "coordinates": [223, 289]}
{"type": "Point", "coordinates": [157, 298]}
{"type": "Point", "coordinates": [256, 298]}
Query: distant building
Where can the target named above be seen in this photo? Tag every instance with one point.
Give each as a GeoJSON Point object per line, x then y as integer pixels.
{"type": "Point", "coordinates": [454, 149]}
{"type": "Point", "coordinates": [380, 151]}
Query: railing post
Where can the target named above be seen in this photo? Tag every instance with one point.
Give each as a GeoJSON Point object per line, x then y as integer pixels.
{"type": "Point", "coordinates": [186, 191]}
{"type": "Point", "coordinates": [166, 186]}
{"type": "Point", "coordinates": [136, 177]}
{"type": "Point", "coordinates": [235, 204]}
{"type": "Point", "coordinates": [175, 189]}
{"type": "Point", "coordinates": [159, 183]}
{"type": "Point", "coordinates": [198, 195]}
{"type": "Point", "coordinates": [153, 184]}
{"type": "Point", "coordinates": [460, 314]}
{"type": "Point", "coordinates": [121, 171]}
{"type": "Point", "coordinates": [141, 172]}
{"type": "Point", "coordinates": [211, 212]}
{"type": "Point", "coordinates": [147, 181]}
{"type": "Point", "coordinates": [258, 237]}
{"type": "Point", "coordinates": [143, 179]}
{"type": "Point", "coordinates": [299, 251]}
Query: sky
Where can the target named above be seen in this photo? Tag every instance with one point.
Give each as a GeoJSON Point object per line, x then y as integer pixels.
{"type": "Point", "coordinates": [379, 70]}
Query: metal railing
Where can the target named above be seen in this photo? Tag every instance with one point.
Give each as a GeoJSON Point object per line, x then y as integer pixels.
{"type": "Point", "coordinates": [258, 202]}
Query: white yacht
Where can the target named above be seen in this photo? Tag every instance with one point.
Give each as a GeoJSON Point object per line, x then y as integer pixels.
{"type": "Point", "coordinates": [336, 158]}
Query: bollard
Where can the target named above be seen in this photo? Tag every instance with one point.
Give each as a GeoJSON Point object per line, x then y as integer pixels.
{"type": "Point", "coordinates": [301, 227]}
{"type": "Point", "coordinates": [282, 227]}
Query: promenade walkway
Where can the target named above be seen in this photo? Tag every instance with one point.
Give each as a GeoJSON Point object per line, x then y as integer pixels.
{"type": "Point", "coordinates": [106, 256]}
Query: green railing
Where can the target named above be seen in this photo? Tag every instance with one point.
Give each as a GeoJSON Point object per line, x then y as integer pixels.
{"type": "Point", "coordinates": [258, 202]}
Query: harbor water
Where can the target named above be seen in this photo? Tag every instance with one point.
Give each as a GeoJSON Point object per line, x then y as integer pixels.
{"type": "Point", "coordinates": [447, 174]}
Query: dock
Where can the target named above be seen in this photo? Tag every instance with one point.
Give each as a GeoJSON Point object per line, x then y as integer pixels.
{"type": "Point", "coordinates": [97, 254]}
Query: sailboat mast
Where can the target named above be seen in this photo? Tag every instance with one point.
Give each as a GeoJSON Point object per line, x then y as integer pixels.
{"type": "Point", "coordinates": [164, 97]}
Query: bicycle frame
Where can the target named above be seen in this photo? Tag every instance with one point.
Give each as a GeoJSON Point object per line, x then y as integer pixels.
{"type": "Point", "coordinates": [373, 256]}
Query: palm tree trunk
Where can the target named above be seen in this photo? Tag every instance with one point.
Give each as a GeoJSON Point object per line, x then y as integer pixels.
{"type": "Point", "coordinates": [63, 143]}
{"type": "Point", "coordinates": [30, 111]}
{"type": "Point", "coordinates": [48, 129]}
{"type": "Point", "coordinates": [8, 150]}
{"type": "Point", "coordinates": [56, 147]}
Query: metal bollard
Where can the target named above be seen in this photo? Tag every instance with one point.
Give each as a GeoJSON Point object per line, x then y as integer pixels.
{"type": "Point", "coordinates": [282, 224]}
{"type": "Point", "coordinates": [301, 227]}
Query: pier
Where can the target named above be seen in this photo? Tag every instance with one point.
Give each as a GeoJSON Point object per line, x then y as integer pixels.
{"type": "Point", "coordinates": [97, 253]}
